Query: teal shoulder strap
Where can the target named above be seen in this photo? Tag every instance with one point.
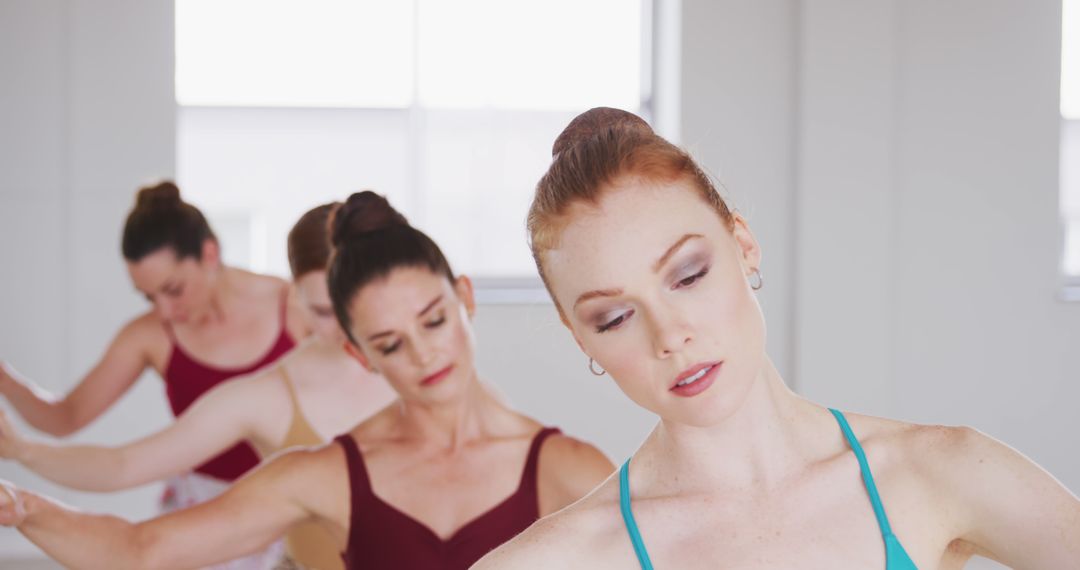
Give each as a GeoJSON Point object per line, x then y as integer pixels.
{"type": "Point", "coordinates": [864, 466]}
{"type": "Point", "coordinates": [628, 518]}
{"type": "Point", "coordinates": [896, 558]}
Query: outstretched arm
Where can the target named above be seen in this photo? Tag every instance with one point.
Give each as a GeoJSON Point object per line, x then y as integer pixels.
{"type": "Point", "coordinates": [114, 374]}
{"type": "Point", "coordinates": [222, 417]}
{"type": "Point", "coordinates": [250, 515]}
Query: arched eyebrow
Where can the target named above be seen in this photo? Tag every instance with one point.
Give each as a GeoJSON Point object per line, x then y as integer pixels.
{"type": "Point", "coordinates": [430, 305]}
{"type": "Point", "coordinates": [597, 293]}
{"type": "Point", "coordinates": [671, 251]}
{"type": "Point", "coordinates": [167, 284]}
{"type": "Point", "coordinates": [656, 269]}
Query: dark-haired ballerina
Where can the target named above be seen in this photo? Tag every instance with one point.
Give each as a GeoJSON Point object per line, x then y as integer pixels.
{"type": "Point", "coordinates": [433, 481]}
{"type": "Point", "coordinates": [655, 277]}
{"type": "Point", "coordinates": [307, 397]}
{"type": "Point", "coordinates": [209, 323]}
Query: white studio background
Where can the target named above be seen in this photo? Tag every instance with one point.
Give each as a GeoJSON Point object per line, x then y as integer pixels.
{"type": "Point", "coordinates": [899, 161]}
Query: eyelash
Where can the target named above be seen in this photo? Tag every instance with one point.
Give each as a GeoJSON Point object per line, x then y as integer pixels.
{"type": "Point", "coordinates": [687, 282]}
{"type": "Point", "coordinates": [682, 284]}
{"type": "Point", "coordinates": [171, 293]}
{"type": "Point", "coordinates": [436, 323]}
{"type": "Point", "coordinates": [614, 322]}
{"type": "Point", "coordinates": [430, 324]}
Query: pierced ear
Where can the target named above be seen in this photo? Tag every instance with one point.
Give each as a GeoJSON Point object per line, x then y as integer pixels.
{"type": "Point", "coordinates": [464, 288]}
{"type": "Point", "coordinates": [747, 244]}
{"type": "Point", "coordinates": [355, 352]}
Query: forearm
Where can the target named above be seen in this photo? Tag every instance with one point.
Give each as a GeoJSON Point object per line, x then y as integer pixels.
{"type": "Point", "coordinates": [207, 428]}
{"type": "Point", "coordinates": [80, 540]}
{"type": "Point", "coordinates": [84, 467]}
{"type": "Point", "coordinates": [246, 518]}
{"type": "Point", "coordinates": [38, 407]}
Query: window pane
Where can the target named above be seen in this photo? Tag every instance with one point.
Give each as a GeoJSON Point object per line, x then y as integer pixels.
{"type": "Point", "coordinates": [268, 166]}
{"type": "Point", "coordinates": [1070, 59]}
{"type": "Point", "coordinates": [1070, 169]}
{"type": "Point", "coordinates": [1072, 248]}
{"type": "Point", "coordinates": [555, 54]}
{"type": "Point", "coordinates": [497, 81]}
{"type": "Point", "coordinates": [303, 53]}
{"type": "Point", "coordinates": [479, 172]}
{"type": "Point", "coordinates": [1070, 194]}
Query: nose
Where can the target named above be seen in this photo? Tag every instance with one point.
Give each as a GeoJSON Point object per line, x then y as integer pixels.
{"type": "Point", "coordinates": [421, 352]}
{"type": "Point", "coordinates": [670, 332]}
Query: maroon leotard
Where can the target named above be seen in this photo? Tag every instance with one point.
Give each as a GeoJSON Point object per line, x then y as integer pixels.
{"type": "Point", "coordinates": [186, 379]}
{"type": "Point", "coordinates": [382, 537]}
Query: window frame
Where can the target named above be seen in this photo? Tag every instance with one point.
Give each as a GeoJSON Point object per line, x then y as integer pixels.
{"type": "Point", "coordinates": [1070, 282]}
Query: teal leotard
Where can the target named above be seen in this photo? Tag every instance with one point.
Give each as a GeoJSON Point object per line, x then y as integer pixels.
{"type": "Point", "coordinates": [896, 558]}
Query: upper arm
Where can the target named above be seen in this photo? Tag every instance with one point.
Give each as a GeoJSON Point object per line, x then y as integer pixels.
{"type": "Point", "coordinates": [254, 512]}
{"type": "Point", "coordinates": [512, 555]}
{"type": "Point", "coordinates": [124, 360]}
{"type": "Point", "coordinates": [219, 419]}
{"type": "Point", "coordinates": [522, 552]}
{"type": "Point", "coordinates": [1011, 509]}
{"type": "Point", "coordinates": [569, 469]}
{"type": "Point", "coordinates": [563, 540]}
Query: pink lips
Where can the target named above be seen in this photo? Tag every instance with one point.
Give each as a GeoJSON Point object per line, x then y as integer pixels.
{"type": "Point", "coordinates": [699, 385]}
{"type": "Point", "coordinates": [437, 377]}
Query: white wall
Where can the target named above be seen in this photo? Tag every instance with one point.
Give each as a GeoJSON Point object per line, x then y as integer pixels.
{"type": "Point", "coordinates": [928, 223]}
{"type": "Point", "coordinates": [738, 120]}
{"type": "Point", "coordinates": [898, 161]}
{"type": "Point", "coordinates": [87, 115]}
{"type": "Point", "coordinates": [928, 220]}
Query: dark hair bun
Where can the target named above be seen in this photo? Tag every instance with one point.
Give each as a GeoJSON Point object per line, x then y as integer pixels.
{"type": "Point", "coordinates": [363, 213]}
{"type": "Point", "coordinates": [595, 121]}
{"type": "Point", "coordinates": [160, 218]}
{"type": "Point", "coordinates": [164, 194]}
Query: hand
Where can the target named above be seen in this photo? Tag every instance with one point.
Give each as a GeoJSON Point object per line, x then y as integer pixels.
{"type": "Point", "coordinates": [11, 442]}
{"type": "Point", "coordinates": [9, 378]}
{"type": "Point", "coordinates": [12, 508]}
{"type": "Point", "coordinates": [7, 375]}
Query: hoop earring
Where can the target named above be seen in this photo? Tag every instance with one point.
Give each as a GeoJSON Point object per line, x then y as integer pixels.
{"type": "Point", "coordinates": [756, 280]}
{"type": "Point", "coordinates": [593, 370]}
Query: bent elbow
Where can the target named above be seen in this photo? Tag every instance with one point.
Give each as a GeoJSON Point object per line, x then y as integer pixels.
{"type": "Point", "coordinates": [60, 430]}
{"type": "Point", "coordinates": [64, 421]}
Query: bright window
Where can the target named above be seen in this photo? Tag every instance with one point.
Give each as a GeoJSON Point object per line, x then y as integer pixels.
{"type": "Point", "coordinates": [449, 108]}
{"type": "Point", "coordinates": [310, 53]}
{"type": "Point", "coordinates": [1070, 197]}
{"type": "Point", "coordinates": [1070, 60]}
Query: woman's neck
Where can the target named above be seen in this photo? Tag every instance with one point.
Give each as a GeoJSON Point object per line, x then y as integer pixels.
{"type": "Point", "coordinates": [759, 445]}
{"type": "Point", "coordinates": [222, 293]}
{"type": "Point", "coordinates": [452, 424]}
